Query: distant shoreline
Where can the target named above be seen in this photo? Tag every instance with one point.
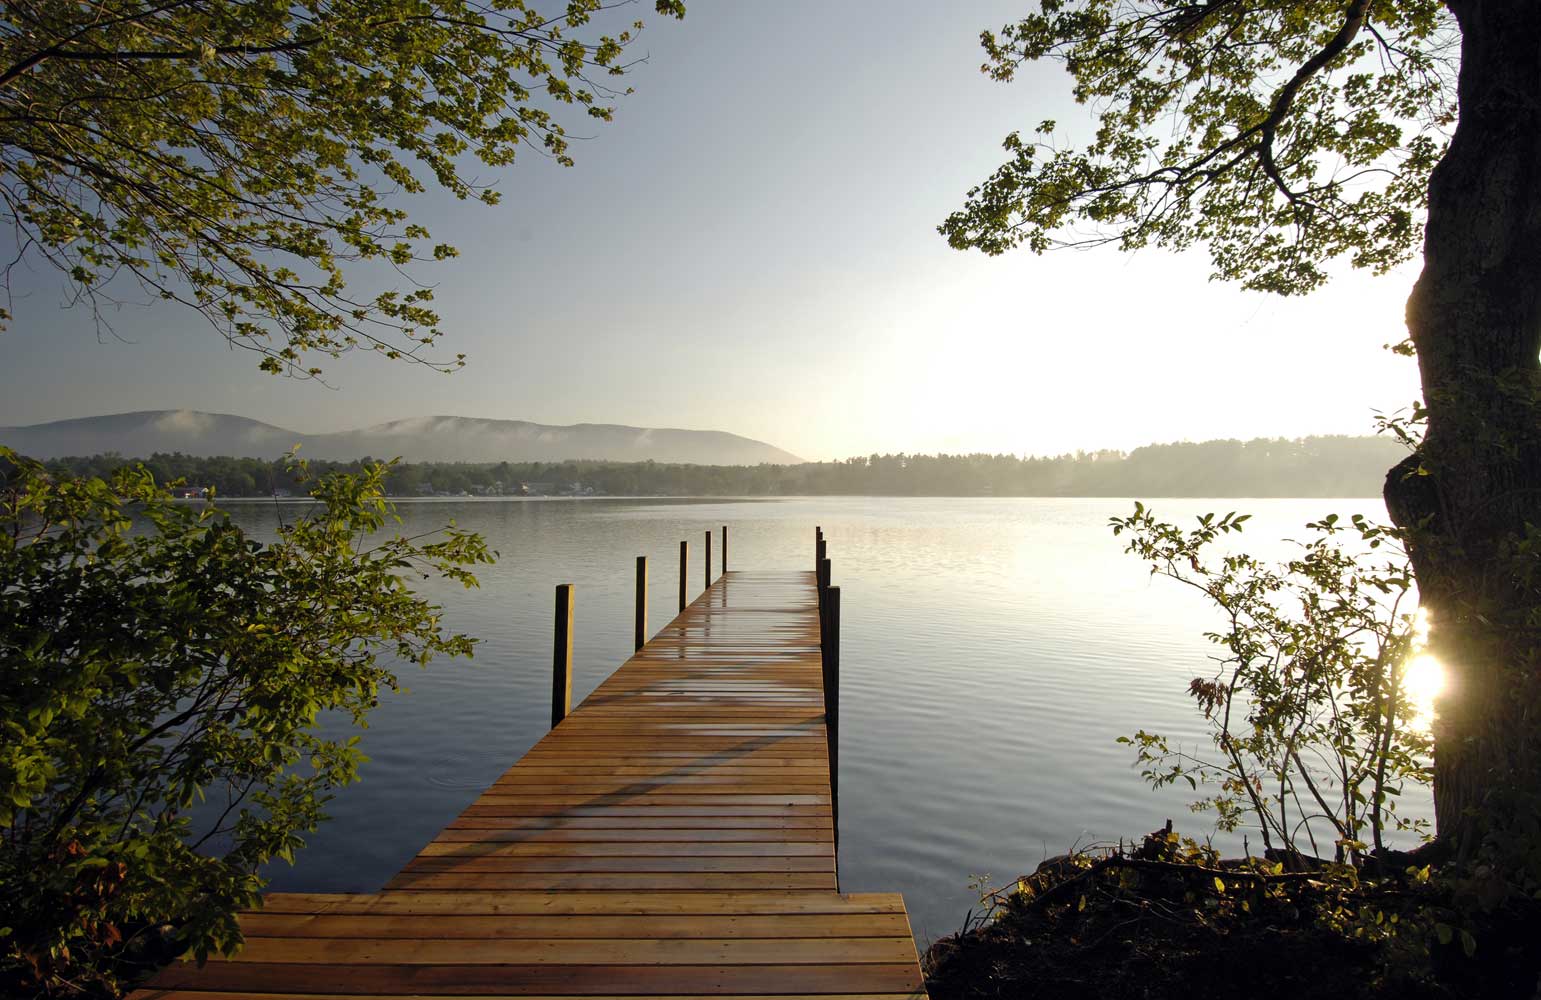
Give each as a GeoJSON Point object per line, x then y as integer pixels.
{"type": "Point", "coordinates": [1323, 467]}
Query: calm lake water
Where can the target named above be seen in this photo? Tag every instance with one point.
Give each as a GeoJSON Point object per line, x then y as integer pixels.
{"type": "Point", "coordinates": [992, 652]}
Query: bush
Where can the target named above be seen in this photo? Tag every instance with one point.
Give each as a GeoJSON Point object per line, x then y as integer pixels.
{"type": "Point", "coordinates": [1312, 726]}
{"type": "Point", "coordinates": [1169, 920]}
{"type": "Point", "coordinates": [1309, 709]}
{"type": "Point", "coordinates": [163, 677]}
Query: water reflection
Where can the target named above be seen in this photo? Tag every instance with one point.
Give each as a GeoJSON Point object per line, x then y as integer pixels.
{"type": "Point", "coordinates": [992, 652]}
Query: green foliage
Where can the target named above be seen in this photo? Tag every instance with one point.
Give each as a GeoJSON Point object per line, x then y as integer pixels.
{"type": "Point", "coordinates": [1280, 133]}
{"type": "Point", "coordinates": [163, 679]}
{"type": "Point", "coordinates": [1309, 709]}
{"type": "Point", "coordinates": [235, 156]}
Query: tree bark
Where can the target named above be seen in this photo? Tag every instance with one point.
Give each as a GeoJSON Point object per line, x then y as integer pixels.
{"type": "Point", "coordinates": [1472, 492]}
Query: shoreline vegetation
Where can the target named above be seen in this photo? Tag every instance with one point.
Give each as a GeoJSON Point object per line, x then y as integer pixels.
{"type": "Point", "coordinates": [1167, 918]}
{"type": "Point", "coordinates": [1325, 466]}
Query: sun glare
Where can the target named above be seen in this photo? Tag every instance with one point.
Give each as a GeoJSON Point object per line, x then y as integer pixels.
{"type": "Point", "coordinates": [1424, 680]}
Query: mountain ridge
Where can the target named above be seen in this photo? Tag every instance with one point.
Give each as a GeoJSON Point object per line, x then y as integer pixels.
{"type": "Point", "coordinates": [436, 438]}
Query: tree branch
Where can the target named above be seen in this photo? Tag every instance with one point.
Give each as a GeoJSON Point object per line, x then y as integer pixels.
{"type": "Point", "coordinates": [1354, 20]}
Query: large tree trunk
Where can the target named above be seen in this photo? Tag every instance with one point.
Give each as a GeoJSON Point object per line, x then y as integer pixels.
{"type": "Point", "coordinates": [1472, 491]}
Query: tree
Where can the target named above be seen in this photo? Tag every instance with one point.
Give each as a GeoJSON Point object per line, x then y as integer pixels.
{"type": "Point", "coordinates": [163, 678]}
{"type": "Point", "coordinates": [236, 156]}
{"type": "Point", "coordinates": [1284, 135]}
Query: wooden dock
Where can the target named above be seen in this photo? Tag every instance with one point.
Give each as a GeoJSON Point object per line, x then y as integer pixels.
{"type": "Point", "coordinates": [672, 837]}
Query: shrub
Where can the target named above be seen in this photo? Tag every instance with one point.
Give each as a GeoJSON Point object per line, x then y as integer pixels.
{"type": "Point", "coordinates": [163, 678]}
{"type": "Point", "coordinates": [1309, 708]}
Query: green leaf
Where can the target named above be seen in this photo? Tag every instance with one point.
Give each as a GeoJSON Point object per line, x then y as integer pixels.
{"type": "Point", "coordinates": [242, 158]}
{"type": "Point", "coordinates": [1194, 140]}
{"type": "Point", "coordinates": [175, 621]}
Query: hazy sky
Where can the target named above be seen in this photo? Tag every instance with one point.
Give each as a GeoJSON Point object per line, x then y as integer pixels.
{"type": "Point", "coordinates": [752, 247]}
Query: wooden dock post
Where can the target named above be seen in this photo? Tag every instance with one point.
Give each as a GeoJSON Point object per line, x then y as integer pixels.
{"type": "Point", "coordinates": [818, 544]}
{"type": "Point", "coordinates": [724, 548]}
{"type": "Point", "coordinates": [708, 580]}
{"type": "Point", "coordinates": [639, 632]}
{"type": "Point", "coordinates": [562, 656]}
{"type": "Point", "coordinates": [825, 569]}
{"type": "Point", "coordinates": [829, 650]}
{"type": "Point", "coordinates": [829, 647]}
{"type": "Point", "coordinates": [684, 570]}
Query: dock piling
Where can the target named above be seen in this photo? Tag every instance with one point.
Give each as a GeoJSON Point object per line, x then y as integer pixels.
{"type": "Point", "coordinates": [829, 649]}
{"type": "Point", "coordinates": [639, 631]}
{"type": "Point", "coordinates": [724, 548]}
{"type": "Point", "coordinates": [707, 582]}
{"type": "Point", "coordinates": [562, 656]}
{"type": "Point", "coordinates": [684, 570]}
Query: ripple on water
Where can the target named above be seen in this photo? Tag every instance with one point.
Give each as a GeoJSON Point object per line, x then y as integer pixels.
{"type": "Point", "coordinates": [461, 771]}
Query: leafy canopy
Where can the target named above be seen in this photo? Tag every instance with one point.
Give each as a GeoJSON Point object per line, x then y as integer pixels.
{"type": "Point", "coordinates": [234, 156]}
{"type": "Point", "coordinates": [1281, 134]}
{"type": "Point", "coordinates": [164, 676]}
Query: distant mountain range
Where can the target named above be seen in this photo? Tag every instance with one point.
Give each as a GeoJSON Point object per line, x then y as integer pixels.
{"type": "Point", "coordinates": [421, 439]}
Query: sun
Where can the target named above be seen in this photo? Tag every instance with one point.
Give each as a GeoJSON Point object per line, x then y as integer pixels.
{"type": "Point", "coordinates": [1424, 682]}
{"type": "Point", "coordinates": [1425, 677]}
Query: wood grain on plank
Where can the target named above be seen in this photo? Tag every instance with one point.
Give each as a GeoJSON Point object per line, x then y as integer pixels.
{"type": "Point", "coordinates": [563, 925]}
{"type": "Point", "coordinates": [584, 903]}
{"type": "Point", "coordinates": [560, 980]}
{"type": "Point", "coordinates": [250, 995]}
{"type": "Point", "coordinates": [613, 881]}
{"type": "Point", "coordinates": [577, 951]}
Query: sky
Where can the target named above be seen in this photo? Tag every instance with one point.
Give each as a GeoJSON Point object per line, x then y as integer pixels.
{"type": "Point", "coordinates": [751, 247]}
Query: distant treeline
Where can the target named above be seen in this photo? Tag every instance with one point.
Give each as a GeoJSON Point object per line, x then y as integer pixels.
{"type": "Point", "coordinates": [1308, 467]}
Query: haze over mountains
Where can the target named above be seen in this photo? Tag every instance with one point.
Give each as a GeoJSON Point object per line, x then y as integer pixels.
{"type": "Point", "coordinates": [420, 439]}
